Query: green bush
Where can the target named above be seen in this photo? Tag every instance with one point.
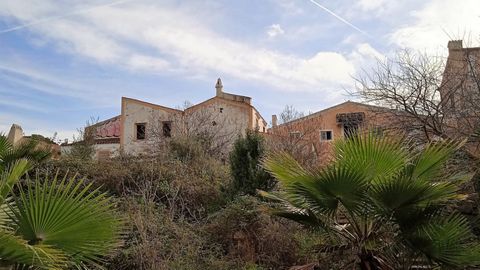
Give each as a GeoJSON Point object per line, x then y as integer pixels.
{"type": "Point", "coordinates": [248, 175]}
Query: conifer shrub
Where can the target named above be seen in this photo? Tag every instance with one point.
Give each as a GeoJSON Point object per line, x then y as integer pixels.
{"type": "Point", "coordinates": [248, 175]}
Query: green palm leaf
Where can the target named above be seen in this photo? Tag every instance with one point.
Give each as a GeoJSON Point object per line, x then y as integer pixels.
{"type": "Point", "coordinates": [69, 217]}
{"type": "Point", "coordinates": [28, 150]}
{"type": "Point", "coordinates": [447, 240]}
{"type": "Point", "coordinates": [372, 155]}
{"type": "Point", "coordinates": [430, 162]}
{"type": "Point", "coordinates": [16, 251]}
{"type": "Point", "coordinates": [380, 196]}
{"type": "Point", "coordinates": [10, 176]}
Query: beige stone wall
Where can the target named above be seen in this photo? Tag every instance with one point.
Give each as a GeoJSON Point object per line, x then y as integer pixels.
{"type": "Point", "coordinates": [136, 112]}
{"type": "Point", "coordinates": [258, 123]}
{"type": "Point", "coordinates": [15, 134]}
{"type": "Point", "coordinates": [460, 77]}
{"type": "Point", "coordinates": [224, 117]}
{"type": "Point", "coordinates": [107, 150]}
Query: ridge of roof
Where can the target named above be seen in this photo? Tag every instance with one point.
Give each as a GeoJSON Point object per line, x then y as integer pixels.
{"type": "Point", "coordinates": [330, 108]}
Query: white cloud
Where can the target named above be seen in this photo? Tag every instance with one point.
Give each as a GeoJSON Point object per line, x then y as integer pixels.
{"type": "Point", "coordinates": [275, 30]}
{"type": "Point", "coordinates": [436, 21]}
{"type": "Point", "coordinates": [369, 5]}
{"type": "Point", "coordinates": [154, 38]}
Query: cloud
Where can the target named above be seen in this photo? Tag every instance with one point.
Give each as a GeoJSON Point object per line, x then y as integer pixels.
{"type": "Point", "coordinates": [147, 37]}
{"type": "Point", "coordinates": [436, 22]}
{"type": "Point", "coordinates": [370, 5]}
{"type": "Point", "coordinates": [275, 30]}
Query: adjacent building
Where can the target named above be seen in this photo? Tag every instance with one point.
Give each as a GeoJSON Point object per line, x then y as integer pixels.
{"type": "Point", "coordinates": [17, 137]}
{"type": "Point", "coordinates": [312, 135]}
{"type": "Point", "coordinates": [142, 126]}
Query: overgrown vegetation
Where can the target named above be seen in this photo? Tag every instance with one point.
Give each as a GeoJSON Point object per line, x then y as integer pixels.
{"type": "Point", "coordinates": [51, 223]}
{"type": "Point", "coordinates": [382, 200]}
{"type": "Point", "coordinates": [248, 175]}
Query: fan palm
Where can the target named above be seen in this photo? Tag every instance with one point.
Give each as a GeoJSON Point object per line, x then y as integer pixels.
{"type": "Point", "coordinates": [58, 224]}
{"type": "Point", "coordinates": [29, 150]}
{"type": "Point", "coordinates": [386, 201]}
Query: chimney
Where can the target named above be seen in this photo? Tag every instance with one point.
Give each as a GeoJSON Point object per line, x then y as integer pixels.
{"type": "Point", "coordinates": [219, 87]}
{"type": "Point", "coordinates": [455, 45]}
{"type": "Point", "coordinates": [274, 120]}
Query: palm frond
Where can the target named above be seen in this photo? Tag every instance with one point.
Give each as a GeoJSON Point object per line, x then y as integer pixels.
{"type": "Point", "coordinates": [10, 176]}
{"type": "Point", "coordinates": [29, 150]}
{"type": "Point", "coordinates": [285, 168]}
{"type": "Point", "coordinates": [430, 162]}
{"type": "Point", "coordinates": [70, 217]}
{"type": "Point", "coordinates": [373, 155]}
{"type": "Point", "coordinates": [447, 240]}
{"type": "Point", "coordinates": [17, 251]}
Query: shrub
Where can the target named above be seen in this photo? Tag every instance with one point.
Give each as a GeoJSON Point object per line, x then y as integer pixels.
{"type": "Point", "coordinates": [249, 235]}
{"type": "Point", "coordinates": [248, 175]}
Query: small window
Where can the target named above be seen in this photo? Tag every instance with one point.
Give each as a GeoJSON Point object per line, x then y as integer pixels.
{"type": "Point", "coordinates": [140, 131]}
{"type": "Point", "coordinates": [167, 129]}
{"type": "Point", "coordinates": [326, 135]}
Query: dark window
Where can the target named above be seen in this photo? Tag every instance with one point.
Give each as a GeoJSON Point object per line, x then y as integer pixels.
{"type": "Point", "coordinates": [140, 128]}
{"type": "Point", "coordinates": [167, 129]}
{"type": "Point", "coordinates": [326, 135]}
{"type": "Point", "coordinates": [350, 130]}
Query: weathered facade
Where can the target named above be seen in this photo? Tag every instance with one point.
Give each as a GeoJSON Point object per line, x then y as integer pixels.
{"type": "Point", "coordinates": [142, 126]}
{"type": "Point", "coordinates": [312, 135]}
{"type": "Point", "coordinates": [460, 89]}
{"type": "Point", "coordinates": [460, 82]}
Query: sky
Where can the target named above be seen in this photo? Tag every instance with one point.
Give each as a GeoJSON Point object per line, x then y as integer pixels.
{"type": "Point", "coordinates": [64, 62]}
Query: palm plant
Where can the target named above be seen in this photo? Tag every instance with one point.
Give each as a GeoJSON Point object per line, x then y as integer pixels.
{"type": "Point", "coordinates": [384, 200]}
{"type": "Point", "coordinates": [55, 224]}
{"type": "Point", "coordinates": [29, 150]}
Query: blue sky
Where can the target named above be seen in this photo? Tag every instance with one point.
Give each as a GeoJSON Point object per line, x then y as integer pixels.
{"type": "Point", "coordinates": [62, 62]}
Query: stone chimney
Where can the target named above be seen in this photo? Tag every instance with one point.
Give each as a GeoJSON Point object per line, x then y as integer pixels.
{"type": "Point", "coordinates": [274, 120]}
{"type": "Point", "coordinates": [15, 134]}
{"type": "Point", "coordinates": [455, 45]}
{"type": "Point", "coordinates": [219, 87]}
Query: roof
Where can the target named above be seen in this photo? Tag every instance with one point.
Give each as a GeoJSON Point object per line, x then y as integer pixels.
{"type": "Point", "coordinates": [151, 104]}
{"type": "Point", "coordinates": [315, 114]}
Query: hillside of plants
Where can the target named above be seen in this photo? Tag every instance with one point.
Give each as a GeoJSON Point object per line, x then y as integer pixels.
{"type": "Point", "coordinates": [403, 198]}
{"type": "Point", "coordinates": [381, 204]}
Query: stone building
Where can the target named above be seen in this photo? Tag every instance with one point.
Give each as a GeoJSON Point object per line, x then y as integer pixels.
{"type": "Point", "coordinates": [16, 137]}
{"type": "Point", "coordinates": [142, 127]}
{"type": "Point", "coordinates": [311, 136]}
{"type": "Point", "coordinates": [460, 89]}
{"type": "Point", "coordinates": [460, 82]}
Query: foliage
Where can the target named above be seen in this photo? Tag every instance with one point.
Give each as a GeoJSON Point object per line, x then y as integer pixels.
{"type": "Point", "coordinates": [58, 224]}
{"type": "Point", "coordinates": [29, 150]}
{"type": "Point", "coordinates": [156, 241]}
{"type": "Point", "coordinates": [55, 224]}
{"type": "Point", "coordinates": [245, 231]}
{"type": "Point", "coordinates": [248, 175]}
{"type": "Point", "coordinates": [381, 199]}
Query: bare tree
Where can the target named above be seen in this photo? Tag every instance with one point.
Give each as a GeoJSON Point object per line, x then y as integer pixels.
{"type": "Point", "coordinates": [424, 95]}
{"type": "Point", "coordinates": [298, 136]}
{"type": "Point", "coordinates": [213, 131]}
